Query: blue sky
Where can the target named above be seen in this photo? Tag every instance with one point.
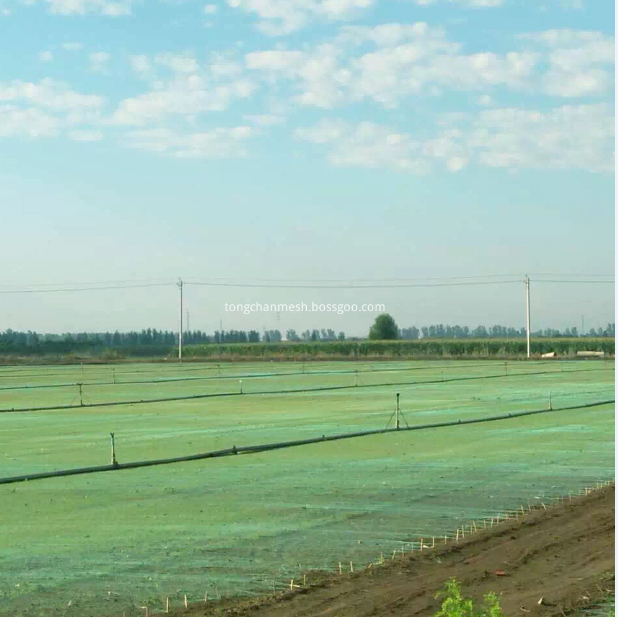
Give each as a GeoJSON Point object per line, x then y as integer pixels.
{"type": "Point", "coordinates": [305, 139]}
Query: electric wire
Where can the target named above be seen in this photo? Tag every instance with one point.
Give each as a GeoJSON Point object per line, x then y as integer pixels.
{"type": "Point", "coordinates": [387, 283]}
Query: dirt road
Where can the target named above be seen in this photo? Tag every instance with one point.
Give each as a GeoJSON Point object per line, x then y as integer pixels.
{"type": "Point", "coordinates": [564, 554]}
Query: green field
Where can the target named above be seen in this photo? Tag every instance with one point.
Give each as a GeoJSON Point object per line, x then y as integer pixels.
{"type": "Point", "coordinates": [108, 543]}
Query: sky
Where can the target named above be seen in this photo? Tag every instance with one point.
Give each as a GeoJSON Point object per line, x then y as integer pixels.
{"type": "Point", "coordinates": [305, 140]}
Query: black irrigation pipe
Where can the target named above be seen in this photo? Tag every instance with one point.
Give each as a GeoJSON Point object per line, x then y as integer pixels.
{"type": "Point", "coordinates": [283, 444]}
{"type": "Point", "coordinates": [98, 368]}
{"type": "Point", "coordinates": [188, 369]}
{"type": "Point", "coordinates": [298, 391]}
{"type": "Point", "coordinates": [271, 392]}
{"type": "Point", "coordinates": [259, 376]}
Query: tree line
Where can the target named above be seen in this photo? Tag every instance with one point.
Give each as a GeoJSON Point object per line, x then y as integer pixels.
{"type": "Point", "coordinates": [151, 338]}
{"type": "Point", "coordinates": [499, 332]}
{"type": "Point", "coordinates": [13, 340]}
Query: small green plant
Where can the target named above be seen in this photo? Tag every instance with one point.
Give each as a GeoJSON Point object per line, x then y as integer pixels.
{"type": "Point", "coordinates": [455, 605]}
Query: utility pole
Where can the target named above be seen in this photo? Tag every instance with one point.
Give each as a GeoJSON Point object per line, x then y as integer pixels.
{"type": "Point", "coordinates": [180, 284]}
{"type": "Point", "coordinates": [188, 323]}
{"type": "Point", "coordinates": [528, 314]}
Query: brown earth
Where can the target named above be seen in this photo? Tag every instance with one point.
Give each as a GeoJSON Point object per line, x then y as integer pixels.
{"type": "Point", "coordinates": [564, 554]}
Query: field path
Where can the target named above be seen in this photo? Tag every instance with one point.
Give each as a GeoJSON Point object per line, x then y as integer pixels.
{"type": "Point", "coordinates": [564, 554]}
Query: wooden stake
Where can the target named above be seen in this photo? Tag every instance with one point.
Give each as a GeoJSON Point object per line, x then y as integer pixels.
{"type": "Point", "coordinates": [422, 543]}
{"type": "Point", "coordinates": [433, 542]}
{"type": "Point", "coordinates": [186, 603]}
{"type": "Point", "coordinates": [351, 567]}
{"type": "Point", "coordinates": [206, 598]}
{"type": "Point", "coordinates": [339, 567]}
{"type": "Point", "coordinates": [444, 539]}
{"type": "Point", "coordinates": [474, 525]}
{"type": "Point", "coordinates": [394, 553]}
{"type": "Point", "coordinates": [522, 511]}
{"type": "Point", "coordinates": [167, 605]}
{"type": "Point", "coordinates": [304, 580]}
{"type": "Point", "coordinates": [457, 538]}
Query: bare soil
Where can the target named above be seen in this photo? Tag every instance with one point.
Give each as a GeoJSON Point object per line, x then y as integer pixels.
{"type": "Point", "coordinates": [564, 555]}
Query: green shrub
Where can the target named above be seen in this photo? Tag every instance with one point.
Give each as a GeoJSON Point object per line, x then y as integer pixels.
{"type": "Point", "coordinates": [454, 605]}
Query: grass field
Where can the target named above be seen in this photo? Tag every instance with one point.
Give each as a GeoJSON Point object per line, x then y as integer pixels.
{"type": "Point", "coordinates": [109, 543]}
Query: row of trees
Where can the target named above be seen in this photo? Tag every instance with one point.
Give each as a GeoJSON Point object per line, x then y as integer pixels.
{"type": "Point", "coordinates": [502, 332]}
{"type": "Point", "coordinates": [11, 340]}
{"type": "Point", "coordinates": [154, 337]}
{"type": "Point", "coordinates": [315, 335]}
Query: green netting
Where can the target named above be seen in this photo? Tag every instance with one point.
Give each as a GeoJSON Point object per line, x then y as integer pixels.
{"type": "Point", "coordinates": [242, 525]}
{"type": "Point", "coordinates": [607, 608]}
{"type": "Point", "coordinates": [17, 394]}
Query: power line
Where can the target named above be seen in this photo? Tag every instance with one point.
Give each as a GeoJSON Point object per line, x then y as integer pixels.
{"type": "Point", "coordinates": [564, 274]}
{"type": "Point", "coordinates": [366, 280]}
{"type": "Point", "coordinates": [337, 287]}
{"type": "Point", "coordinates": [70, 289]}
{"type": "Point", "coordinates": [270, 283]}
{"type": "Point", "coordinates": [571, 281]}
{"type": "Point", "coordinates": [130, 281]}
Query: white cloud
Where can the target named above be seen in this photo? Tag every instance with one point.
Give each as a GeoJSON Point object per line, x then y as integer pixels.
{"type": "Point", "coordinates": [319, 78]}
{"type": "Point", "coordinates": [44, 109]}
{"type": "Point", "coordinates": [210, 9]}
{"type": "Point", "coordinates": [45, 56]}
{"type": "Point", "coordinates": [49, 94]}
{"type": "Point", "coordinates": [85, 135]}
{"type": "Point", "coordinates": [566, 138]}
{"type": "Point", "coordinates": [72, 46]}
{"type": "Point", "coordinates": [179, 63]}
{"type": "Point", "coordinates": [570, 84]}
{"type": "Point", "coordinates": [580, 61]}
{"type": "Point", "coordinates": [186, 95]}
{"type": "Point", "coordinates": [277, 17]}
{"type": "Point", "coordinates": [215, 143]}
{"type": "Point", "coordinates": [392, 62]}
{"type": "Point", "coordinates": [403, 60]}
{"type": "Point", "coordinates": [29, 122]}
{"type": "Point", "coordinates": [141, 65]}
{"type": "Point", "coordinates": [265, 119]}
{"type": "Point", "coordinates": [366, 145]}
{"type": "Point", "coordinates": [111, 8]}
{"type": "Point", "coordinates": [477, 4]}
{"type": "Point", "coordinates": [223, 65]}
{"type": "Point", "coordinates": [99, 61]}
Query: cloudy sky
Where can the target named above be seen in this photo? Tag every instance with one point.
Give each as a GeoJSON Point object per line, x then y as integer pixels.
{"type": "Point", "coordinates": [305, 140]}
